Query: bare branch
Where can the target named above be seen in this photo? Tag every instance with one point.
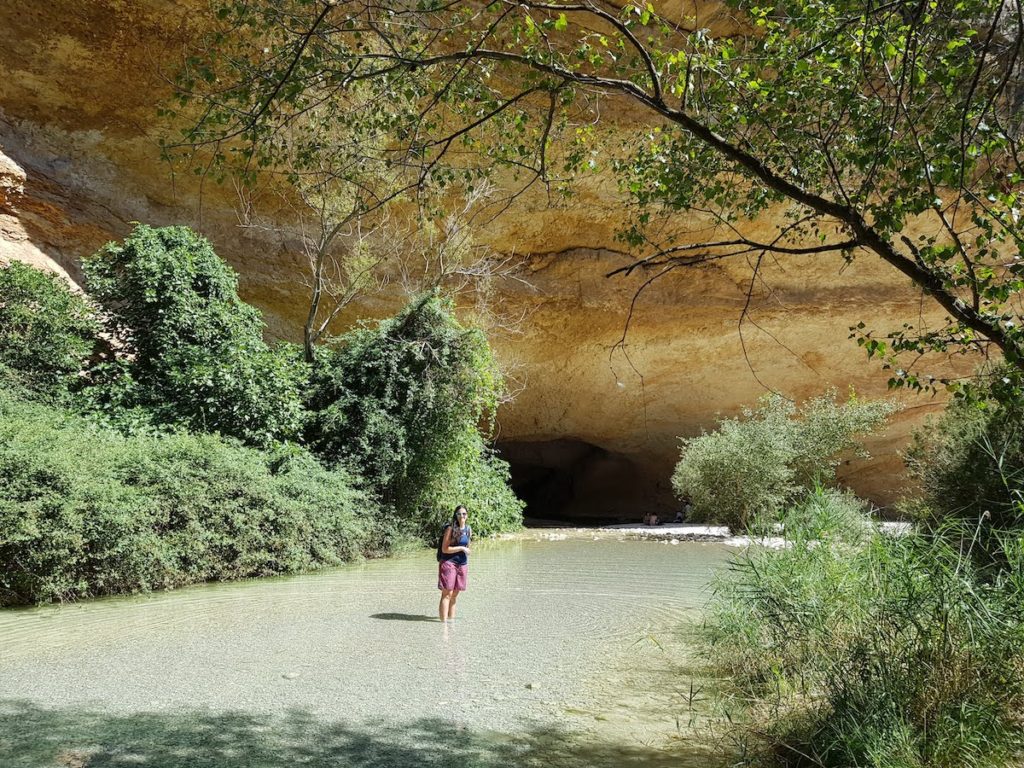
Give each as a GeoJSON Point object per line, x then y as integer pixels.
{"type": "Point", "coordinates": [653, 260]}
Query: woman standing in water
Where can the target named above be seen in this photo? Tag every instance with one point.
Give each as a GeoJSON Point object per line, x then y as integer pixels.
{"type": "Point", "coordinates": [454, 556]}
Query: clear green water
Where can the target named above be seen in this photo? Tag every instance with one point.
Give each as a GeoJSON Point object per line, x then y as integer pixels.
{"type": "Point", "coordinates": [565, 653]}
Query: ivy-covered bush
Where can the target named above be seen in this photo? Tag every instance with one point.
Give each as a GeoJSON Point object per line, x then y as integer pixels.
{"type": "Point", "coordinates": [86, 510]}
{"type": "Point", "coordinates": [47, 333]}
{"type": "Point", "coordinates": [137, 482]}
{"type": "Point", "coordinates": [193, 351]}
{"type": "Point", "coordinates": [403, 403]}
{"type": "Point", "coordinates": [753, 465]}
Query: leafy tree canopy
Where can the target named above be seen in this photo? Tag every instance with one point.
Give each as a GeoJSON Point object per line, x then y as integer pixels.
{"type": "Point", "coordinates": [890, 128]}
{"type": "Point", "coordinates": [193, 352]}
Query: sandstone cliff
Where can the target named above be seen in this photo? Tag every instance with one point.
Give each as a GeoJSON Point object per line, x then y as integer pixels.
{"type": "Point", "coordinates": [594, 428]}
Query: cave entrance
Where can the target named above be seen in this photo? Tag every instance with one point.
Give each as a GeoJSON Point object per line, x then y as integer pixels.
{"type": "Point", "coordinates": [567, 481]}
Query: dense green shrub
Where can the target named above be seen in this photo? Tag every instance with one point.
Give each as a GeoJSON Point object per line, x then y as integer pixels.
{"type": "Point", "coordinates": [849, 648]}
{"type": "Point", "coordinates": [476, 478]}
{"type": "Point", "coordinates": [970, 464]}
{"type": "Point", "coordinates": [88, 510]}
{"type": "Point", "coordinates": [751, 466]}
{"type": "Point", "coordinates": [85, 510]}
{"type": "Point", "coordinates": [47, 333]}
{"type": "Point", "coordinates": [193, 352]}
{"type": "Point", "coordinates": [403, 403]}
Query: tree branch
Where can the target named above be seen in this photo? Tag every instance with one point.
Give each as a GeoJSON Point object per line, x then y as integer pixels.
{"type": "Point", "coordinates": [751, 245]}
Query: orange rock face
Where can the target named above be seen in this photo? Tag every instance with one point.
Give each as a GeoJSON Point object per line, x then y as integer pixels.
{"type": "Point", "coordinates": [594, 428]}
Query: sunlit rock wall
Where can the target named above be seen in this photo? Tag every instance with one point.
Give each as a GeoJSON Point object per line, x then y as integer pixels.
{"type": "Point", "coordinates": [599, 407]}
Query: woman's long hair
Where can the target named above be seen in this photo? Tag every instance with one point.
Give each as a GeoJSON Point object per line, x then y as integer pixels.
{"type": "Point", "coordinates": [456, 524]}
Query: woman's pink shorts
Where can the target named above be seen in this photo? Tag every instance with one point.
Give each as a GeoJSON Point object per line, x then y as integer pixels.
{"type": "Point", "coordinates": [451, 576]}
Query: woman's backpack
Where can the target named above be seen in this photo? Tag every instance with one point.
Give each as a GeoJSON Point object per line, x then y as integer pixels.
{"type": "Point", "coordinates": [440, 542]}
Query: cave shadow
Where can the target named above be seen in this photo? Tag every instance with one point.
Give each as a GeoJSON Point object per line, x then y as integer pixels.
{"type": "Point", "coordinates": [567, 481]}
{"type": "Point", "coordinates": [36, 737]}
{"type": "Point", "coordinates": [404, 617]}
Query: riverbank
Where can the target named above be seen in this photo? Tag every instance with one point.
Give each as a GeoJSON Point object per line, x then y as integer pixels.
{"type": "Point", "coordinates": [670, 534]}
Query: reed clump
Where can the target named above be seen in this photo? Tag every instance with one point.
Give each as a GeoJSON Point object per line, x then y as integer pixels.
{"type": "Point", "coordinates": [850, 647]}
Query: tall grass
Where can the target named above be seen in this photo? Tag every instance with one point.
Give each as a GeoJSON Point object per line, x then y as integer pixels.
{"type": "Point", "coordinates": [852, 648]}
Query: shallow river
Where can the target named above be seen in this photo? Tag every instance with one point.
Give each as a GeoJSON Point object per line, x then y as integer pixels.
{"type": "Point", "coordinates": [564, 653]}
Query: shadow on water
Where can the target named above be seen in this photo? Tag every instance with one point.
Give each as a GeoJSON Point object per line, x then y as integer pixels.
{"type": "Point", "coordinates": [34, 737]}
{"type": "Point", "coordinates": [404, 617]}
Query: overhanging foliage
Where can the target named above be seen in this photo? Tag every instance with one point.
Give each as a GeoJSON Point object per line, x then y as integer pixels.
{"type": "Point", "coordinates": [888, 129]}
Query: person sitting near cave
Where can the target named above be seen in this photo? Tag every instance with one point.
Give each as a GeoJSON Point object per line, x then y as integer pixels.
{"type": "Point", "coordinates": [650, 519]}
{"type": "Point", "coordinates": [687, 509]}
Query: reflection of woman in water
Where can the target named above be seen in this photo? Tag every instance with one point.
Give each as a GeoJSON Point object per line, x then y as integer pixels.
{"type": "Point", "coordinates": [451, 573]}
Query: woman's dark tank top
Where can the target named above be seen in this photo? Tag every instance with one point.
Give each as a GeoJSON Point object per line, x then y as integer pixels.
{"type": "Point", "coordinates": [459, 558]}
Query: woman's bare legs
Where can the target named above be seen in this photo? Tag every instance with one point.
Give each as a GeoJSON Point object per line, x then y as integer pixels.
{"type": "Point", "coordinates": [451, 604]}
{"type": "Point", "coordinates": [447, 604]}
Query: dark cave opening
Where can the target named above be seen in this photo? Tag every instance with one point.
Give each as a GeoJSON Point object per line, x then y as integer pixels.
{"type": "Point", "coordinates": [568, 481]}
